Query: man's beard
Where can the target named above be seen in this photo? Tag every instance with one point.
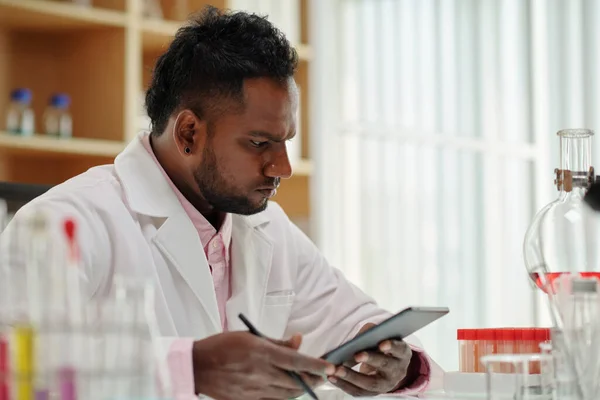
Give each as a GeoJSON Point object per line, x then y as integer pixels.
{"type": "Point", "coordinates": [218, 192]}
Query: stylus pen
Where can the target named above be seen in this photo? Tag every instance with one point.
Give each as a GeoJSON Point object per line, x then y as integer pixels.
{"type": "Point", "coordinates": [294, 375]}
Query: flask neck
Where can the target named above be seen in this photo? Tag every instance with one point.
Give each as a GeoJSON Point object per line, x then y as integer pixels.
{"type": "Point", "coordinates": [576, 170]}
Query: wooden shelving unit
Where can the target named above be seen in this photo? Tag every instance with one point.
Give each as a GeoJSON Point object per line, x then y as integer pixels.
{"type": "Point", "coordinates": [52, 15]}
{"type": "Point", "coordinates": [14, 144]}
{"type": "Point", "coordinates": [102, 57]}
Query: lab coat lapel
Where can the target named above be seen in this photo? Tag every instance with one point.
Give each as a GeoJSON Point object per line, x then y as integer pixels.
{"type": "Point", "coordinates": [251, 258]}
{"type": "Point", "coordinates": [148, 193]}
{"type": "Point", "coordinates": [178, 240]}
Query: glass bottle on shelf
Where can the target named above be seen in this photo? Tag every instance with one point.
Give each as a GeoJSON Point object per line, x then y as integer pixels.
{"type": "Point", "coordinates": [562, 238]}
{"type": "Point", "coordinates": [57, 118]}
{"type": "Point", "coordinates": [20, 119]}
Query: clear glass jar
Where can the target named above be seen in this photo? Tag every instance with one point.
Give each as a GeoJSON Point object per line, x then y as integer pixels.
{"type": "Point", "coordinates": [20, 119]}
{"type": "Point", "coordinates": [562, 236]}
{"type": "Point", "coordinates": [57, 118]}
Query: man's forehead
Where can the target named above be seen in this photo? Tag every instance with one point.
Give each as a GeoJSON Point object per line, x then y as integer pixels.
{"type": "Point", "coordinates": [268, 93]}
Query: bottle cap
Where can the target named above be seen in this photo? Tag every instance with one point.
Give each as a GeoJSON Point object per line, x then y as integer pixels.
{"type": "Point", "coordinates": [60, 100]}
{"type": "Point", "coordinates": [486, 334]}
{"type": "Point", "coordinates": [542, 334]}
{"type": "Point", "coordinates": [466, 334]}
{"type": "Point", "coordinates": [529, 334]}
{"type": "Point", "coordinates": [506, 334]}
{"type": "Point", "coordinates": [518, 334]}
{"type": "Point", "coordinates": [21, 95]}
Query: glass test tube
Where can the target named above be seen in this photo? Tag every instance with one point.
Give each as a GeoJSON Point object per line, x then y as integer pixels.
{"type": "Point", "coordinates": [4, 305]}
{"type": "Point", "coordinates": [24, 361]}
{"type": "Point", "coordinates": [38, 258]}
{"type": "Point", "coordinates": [67, 373]}
{"type": "Point", "coordinates": [29, 319]}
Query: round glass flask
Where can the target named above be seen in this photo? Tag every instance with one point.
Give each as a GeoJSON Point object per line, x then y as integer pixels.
{"type": "Point", "coordinates": [563, 236]}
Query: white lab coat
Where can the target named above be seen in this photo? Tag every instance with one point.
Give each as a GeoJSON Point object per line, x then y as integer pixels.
{"type": "Point", "coordinates": [132, 224]}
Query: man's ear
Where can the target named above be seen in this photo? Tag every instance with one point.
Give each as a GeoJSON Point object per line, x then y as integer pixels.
{"type": "Point", "coordinates": [189, 132]}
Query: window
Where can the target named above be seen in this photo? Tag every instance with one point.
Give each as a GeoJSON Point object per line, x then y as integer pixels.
{"type": "Point", "coordinates": [435, 126]}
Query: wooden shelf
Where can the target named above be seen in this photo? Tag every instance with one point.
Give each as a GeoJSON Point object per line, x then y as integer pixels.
{"type": "Point", "coordinates": [102, 57]}
{"type": "Point", "coordinates": [48, 15]}
{"type": "Point", "coordinates": [89, 147]}
{"type": "Point", "coordinates": [157, 34]}
{"type": "Point", "coordinates": [45, 144]}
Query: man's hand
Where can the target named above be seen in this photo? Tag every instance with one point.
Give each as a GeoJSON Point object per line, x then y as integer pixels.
{"type": "Point", "coordinates": [238, 365]}
{"type": "Point", "coordinates": [381, 371]}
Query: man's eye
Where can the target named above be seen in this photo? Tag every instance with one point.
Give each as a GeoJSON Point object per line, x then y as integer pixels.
{"type": "Point", "coordinates": [256, 143]}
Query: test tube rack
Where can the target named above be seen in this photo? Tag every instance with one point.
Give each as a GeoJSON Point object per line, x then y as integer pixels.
{"type": "Point", "coordinates": [56, 344]}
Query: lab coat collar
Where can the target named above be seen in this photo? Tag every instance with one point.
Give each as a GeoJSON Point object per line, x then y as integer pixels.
{"type": "Point", "coordinates": [148, 193]}
{"type": "Point", "coordinates": [146, 190]}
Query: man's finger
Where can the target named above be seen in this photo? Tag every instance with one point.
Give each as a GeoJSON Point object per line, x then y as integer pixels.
{"type": "Point", "coordinates": [312, 380]}
{"type": "Point", "coordinates": [351, 389]}
{"type": "Point", "coordinates": [291, 360]}
{"type": "Point", "coordinates": [397, 348]}
{"type": "Point", "coordinates": [370, 383]}
{"type": "Point", "coordinates": [290, 383]}
{"type": "Point", "coordinates": [381, 362]}
{"type": "Point", "coordinates": [367, 369]}
{"type": "Point", "coordinates": [282, 379]}
{"type": "Point", "coordinates": [293, 343]}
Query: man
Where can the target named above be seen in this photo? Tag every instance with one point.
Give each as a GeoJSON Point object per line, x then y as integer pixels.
{"type": "Point", "coordinates": [187, 206]}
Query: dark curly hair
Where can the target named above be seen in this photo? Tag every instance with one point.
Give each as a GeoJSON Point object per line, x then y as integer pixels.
{"type": "Point", "coordinates": [205, 66]}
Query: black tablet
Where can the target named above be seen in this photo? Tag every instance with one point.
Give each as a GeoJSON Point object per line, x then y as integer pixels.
{"type": "Point", "coordinates": [397, 327]}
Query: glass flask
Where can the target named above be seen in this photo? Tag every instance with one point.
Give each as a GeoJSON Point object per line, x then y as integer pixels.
{"type": "Point", "coordinates": [561, 238]}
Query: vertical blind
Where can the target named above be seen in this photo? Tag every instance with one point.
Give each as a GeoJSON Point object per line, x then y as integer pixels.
{"type": "Point", "coordinates": [434, 125]}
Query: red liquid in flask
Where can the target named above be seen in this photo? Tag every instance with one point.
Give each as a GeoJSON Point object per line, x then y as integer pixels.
{"type": "Point", "coordinates": [545, 281]}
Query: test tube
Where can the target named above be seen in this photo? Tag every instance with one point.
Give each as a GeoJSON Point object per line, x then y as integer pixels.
{"type": "Point", "coordinates": [466, 338]}
{"type": "Point", "coordinates": [506, 339]}
{"type": "Point", "coordinates": [66, 379]}
{"type": "Point", "coordinates": [29, 355]}
{"type": "Point", "coordinates": [121, 335]}
{"type": "Point", "coordinates": [4, 304]}
{"type": "Point", "coordinates": [39, 246]}
{"type": "Point", "coordinates": [486, 345]}
{"type": "Point", "coordinates": [529, 345]}
{"type": "Point", "coordinates": [67, 375]}
{"type": "Point", "coordinates": [462, 350]}
{"type": "Point", "coordinates": [24, 361]}
{"type": "Point", "coordinates": [4, 368]}
{"type": "Point", "coordinates": [518, 345]}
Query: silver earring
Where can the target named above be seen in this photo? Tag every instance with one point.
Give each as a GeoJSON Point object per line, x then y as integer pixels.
{"type": "Point", "coordinates": [187, 150]}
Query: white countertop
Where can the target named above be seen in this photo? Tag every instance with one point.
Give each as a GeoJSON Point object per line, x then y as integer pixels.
{"type": "Point", "coordinates": [331, 393]}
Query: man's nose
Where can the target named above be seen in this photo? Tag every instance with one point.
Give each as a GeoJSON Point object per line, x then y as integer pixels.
{"type": "Point", "coordinates": [279, 167]}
